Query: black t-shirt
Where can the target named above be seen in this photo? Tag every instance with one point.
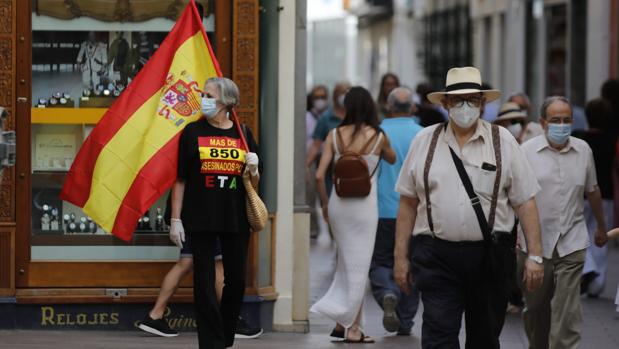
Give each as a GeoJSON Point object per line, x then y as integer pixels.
{"type": "Point", "coordinates": [603, 147]}
{"type": "Point", "coordinates": [211, 162]}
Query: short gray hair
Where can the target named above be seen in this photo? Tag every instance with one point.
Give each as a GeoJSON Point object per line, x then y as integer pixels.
{"type": "Point", "coordinates": [228, 91]}
{"type": "Point", "coordinates": [400, 105]}
{"type": "Point", "coordinates": [550, 100]}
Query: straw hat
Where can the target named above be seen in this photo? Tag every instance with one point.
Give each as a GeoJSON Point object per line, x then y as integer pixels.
{"type": "Point", "coordinates": [510, 111]}
{"type": "Point", "coordinates": [463, 81]}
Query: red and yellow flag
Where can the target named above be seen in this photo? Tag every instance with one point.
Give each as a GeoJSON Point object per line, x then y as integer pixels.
{"type": "Point", "coordinates": [130, 158]}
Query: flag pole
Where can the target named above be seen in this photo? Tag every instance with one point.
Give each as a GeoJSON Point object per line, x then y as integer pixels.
{"type": "Point", "coordinates": [234, 118]}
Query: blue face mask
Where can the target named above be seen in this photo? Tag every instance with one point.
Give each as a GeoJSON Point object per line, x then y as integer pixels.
{"type": "Point", "coordinates": [209, 107]}
{"type": "Point", "coordinates": [559, 133]}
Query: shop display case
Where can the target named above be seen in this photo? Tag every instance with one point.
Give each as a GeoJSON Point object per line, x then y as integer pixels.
{"type": "Point", "coordinates": [76, 76]}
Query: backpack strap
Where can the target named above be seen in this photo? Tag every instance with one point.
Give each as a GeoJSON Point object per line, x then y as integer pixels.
{"type": "Point", "coordinates": [496, 144]}
{"type": "Point", "coordinates": [426, 173]}
{"type": "Point", "coordinates": [367, 144]}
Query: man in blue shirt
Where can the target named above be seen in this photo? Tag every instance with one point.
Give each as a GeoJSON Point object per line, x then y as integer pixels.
{"type": "Point", "coordinates": [401, 127]}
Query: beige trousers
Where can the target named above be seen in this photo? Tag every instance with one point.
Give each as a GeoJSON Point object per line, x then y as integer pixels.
{"type": "Point", "coordinates": [552, 315]}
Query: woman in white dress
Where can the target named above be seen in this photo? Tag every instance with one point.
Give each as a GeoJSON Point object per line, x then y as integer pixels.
{"type": "Point", "coordinates": [352, 220]}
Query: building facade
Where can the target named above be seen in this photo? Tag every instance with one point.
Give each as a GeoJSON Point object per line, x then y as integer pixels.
{"type": "Point", "coordinates": [546, 47]}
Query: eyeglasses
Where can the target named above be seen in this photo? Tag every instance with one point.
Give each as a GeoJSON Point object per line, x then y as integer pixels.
{"type": "Point", "coordinates": [565, 119]}
{"type": "Point", "coordinates": [459, 101]}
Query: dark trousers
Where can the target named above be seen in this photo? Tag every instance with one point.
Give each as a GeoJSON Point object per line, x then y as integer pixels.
{"type": "Point", "coordinates": [217, 322]}
{"type": "Point", "coordinates": [381, 275]}
{"type": "Point", "coordinates": [452, 280]}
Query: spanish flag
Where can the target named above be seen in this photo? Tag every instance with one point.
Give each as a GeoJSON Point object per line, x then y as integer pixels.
{"type": "Point", "coordinates": [130, 158]}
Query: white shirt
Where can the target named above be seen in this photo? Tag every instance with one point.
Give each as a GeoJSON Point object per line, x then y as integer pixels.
{"type": "Point", "coordinates": [564, 177]}
{"type": "Point", "coordinates": [453, 216]}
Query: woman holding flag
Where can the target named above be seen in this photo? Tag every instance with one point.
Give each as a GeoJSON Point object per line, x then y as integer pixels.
{"type": "Point", "coordinates": [208, 203]}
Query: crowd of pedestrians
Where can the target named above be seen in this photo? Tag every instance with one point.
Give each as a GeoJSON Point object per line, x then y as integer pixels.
{"type": "Point", "coordinates": [472, 207]}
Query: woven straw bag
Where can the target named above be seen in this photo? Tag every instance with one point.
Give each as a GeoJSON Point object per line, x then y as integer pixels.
{"type": "Point", "coordinates": [257, 213]}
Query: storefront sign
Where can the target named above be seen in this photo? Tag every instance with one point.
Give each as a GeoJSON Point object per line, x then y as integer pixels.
{"type": "Point", "coordinates": [113, 317]}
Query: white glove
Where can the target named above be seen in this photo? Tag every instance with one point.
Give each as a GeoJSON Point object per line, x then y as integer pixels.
{"type": "Point", "coordinates": [251, 159]}
{"type": "Point", "coordinates": [177, 232]}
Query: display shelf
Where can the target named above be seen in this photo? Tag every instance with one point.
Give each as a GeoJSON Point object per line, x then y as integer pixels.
{"type": "Point", "coordinates": [67, 115]}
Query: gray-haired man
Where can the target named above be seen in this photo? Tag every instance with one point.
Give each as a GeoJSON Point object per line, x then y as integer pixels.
{"type": "Point", "coordinates": [565, 170]}
{"type": "Point", "coordinates": [399, 308]}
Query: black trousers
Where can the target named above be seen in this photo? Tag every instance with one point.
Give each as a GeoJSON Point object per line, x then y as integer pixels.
{"type": "Point", "coordinates": [452, 279]}
{"type": "Point", "coordinates": [217, 322]}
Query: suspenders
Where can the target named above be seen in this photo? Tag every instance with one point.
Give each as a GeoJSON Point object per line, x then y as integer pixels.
{"type": "Point", "coordinates": [496, 144]}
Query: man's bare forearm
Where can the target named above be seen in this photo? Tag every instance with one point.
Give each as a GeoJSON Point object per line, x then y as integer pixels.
{"type": "Point", "coordinates": [529, 220]}
{"type": "Point", "coordinates": [407, 214]}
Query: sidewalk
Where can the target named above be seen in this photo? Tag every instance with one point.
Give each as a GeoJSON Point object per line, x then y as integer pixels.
{"type": "Point", "coordinates": [600, 327]}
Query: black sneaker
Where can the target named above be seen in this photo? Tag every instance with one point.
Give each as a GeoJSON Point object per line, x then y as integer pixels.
{"type": "Point", "coordinates": [404, 331]}
{"type": "Point", "coordinates": [245, 331]}
{"type": "Point", "coordinates": [157, 327]}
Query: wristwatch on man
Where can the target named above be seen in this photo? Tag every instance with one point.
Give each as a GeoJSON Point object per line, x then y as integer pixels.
{"type": "Point", "coordinates": [536, 259]}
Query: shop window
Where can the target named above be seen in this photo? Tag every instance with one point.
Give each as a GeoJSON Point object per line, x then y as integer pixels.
{"type": "Point", "coordinates": [82, 60]}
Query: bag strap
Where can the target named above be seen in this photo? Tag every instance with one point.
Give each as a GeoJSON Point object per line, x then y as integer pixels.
{"type": "Point", "coordinates": [496, 144]}
{"type": "Point", "coordinates": [426, 173]}
{"type": "Point", "coordinates": [475, 202]}
{"type": "Point", "coordinates": [340, 141]}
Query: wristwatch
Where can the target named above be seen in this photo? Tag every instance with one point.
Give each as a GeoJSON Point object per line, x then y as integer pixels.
{"type": "Point", "coordinates": [536, 259]}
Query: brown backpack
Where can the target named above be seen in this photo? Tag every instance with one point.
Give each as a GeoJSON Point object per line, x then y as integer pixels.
{"type": "Point", "coordinates": [351, 175]}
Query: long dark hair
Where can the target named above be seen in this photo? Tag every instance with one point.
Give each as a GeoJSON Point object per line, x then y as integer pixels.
{"type": "Point", "coordinates": [360, 110]}
{"type": "Point", "coordinates": [382, 95]}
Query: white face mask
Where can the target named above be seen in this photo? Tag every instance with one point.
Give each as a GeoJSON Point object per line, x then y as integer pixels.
{"type": "Point", "coordinates": [320, 104]}
{"type": "Point", "coordinates": [209, 107]}
{"type": "Point", "coordinates": [515, 129]}
{"type": "Point", "coordinates": [464, 116]}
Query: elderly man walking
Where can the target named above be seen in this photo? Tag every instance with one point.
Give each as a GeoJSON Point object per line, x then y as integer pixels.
{"type": "Point", "coordinates": [461, 185]}
{"type": "Point", "coordinates": [399, 309]}
{"type": "Point", "coordinates": [565, 170]}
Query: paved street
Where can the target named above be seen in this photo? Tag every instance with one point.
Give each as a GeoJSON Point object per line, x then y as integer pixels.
{"type": "Point", "coordinates": [600, 331]}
